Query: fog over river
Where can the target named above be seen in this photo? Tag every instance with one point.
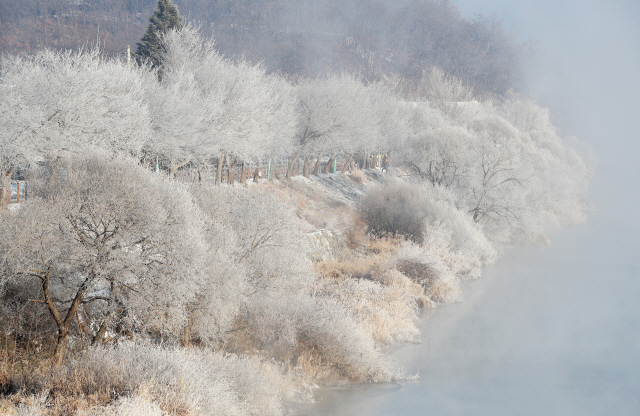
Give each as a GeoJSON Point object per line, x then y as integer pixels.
{"type": "Point", "coordinates": [555, 330]}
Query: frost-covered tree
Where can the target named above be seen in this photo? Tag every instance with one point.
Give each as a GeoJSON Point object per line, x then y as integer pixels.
{"type": "Point", "coordinates": [444, 91]}
{"type": "Point", "coordinates": [209, 107]}
{"type": "Point", "coordinates": [338, 115]}
{"type": "Point", "coordinates": [110, 237]}
{"type": "Point", "coordinates": [151, 48]}
{"type": "Point", "coordinates": [434, 149]}
{"type": "Point", "coordinates": [561, 168]}
{"type": "Point", "coordinates": [391, 120]}
{"type": "Point", "coordinates": [480, 159]}
{"type": "Point", "coordinates": [57, 103]}
{"type": "Point", "coordinates": [499, 175]}
{"type": "Point", "coordinates": [503, 160]}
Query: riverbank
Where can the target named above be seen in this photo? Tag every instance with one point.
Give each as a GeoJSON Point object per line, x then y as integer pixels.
{"type": "Point", "coordinates": [330, 290]}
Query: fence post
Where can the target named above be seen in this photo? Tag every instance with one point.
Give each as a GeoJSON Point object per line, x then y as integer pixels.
{"type": "Point", "coordinates": [269, 170]}
{"type": "Point", "coordinates": [18, 193]}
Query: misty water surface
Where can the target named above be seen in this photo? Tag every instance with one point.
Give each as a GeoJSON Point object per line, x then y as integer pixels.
{"type": "Point", "coordinates": [549, 331]}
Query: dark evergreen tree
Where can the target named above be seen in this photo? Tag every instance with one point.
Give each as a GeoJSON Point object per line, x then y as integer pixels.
{"type": "Point", "coordinates": [165, 18]}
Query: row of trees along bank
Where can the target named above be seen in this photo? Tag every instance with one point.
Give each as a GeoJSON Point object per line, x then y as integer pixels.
{"type": "Point", "coordinates": [501, 157]}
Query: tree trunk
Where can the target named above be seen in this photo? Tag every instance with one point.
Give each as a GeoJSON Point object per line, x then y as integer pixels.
{"type": "Point", "coordinates": [219, 169]}
{"type": "Point", "coordinates": [61, 348]}
{"type": "Point", "coordinates": [328, 166]}
{"type": "Point", "coordinates": [5, 186]}
{"type": "Point", "coordinates": [256, 174]}
{"type": "Point", "coordinates": [232, 171]}
{"type": "Point", "coordinates": [293, 163]}
{"type": "Point", "coordinates": [243, 175]}
{"type": "Point", "coordinates": [307, 166]}
{"type": "Point", "coordinates": [99, 336]}
{"type": "Point", "coordinates": [317, 166]}
{"type": "Point", "coordinates": [186, 335]}
{"type": "Point", "coordinates": [346, 165]}
{"type": "Point", "coordinates": [173, 168]}
{"type": "Point", "coordinates": [63, 325]}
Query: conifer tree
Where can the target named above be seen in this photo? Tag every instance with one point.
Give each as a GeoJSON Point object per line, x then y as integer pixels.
{"type": "Point", "coordinates": [165, 18]}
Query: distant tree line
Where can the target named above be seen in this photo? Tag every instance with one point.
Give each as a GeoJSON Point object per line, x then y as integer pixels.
{"type": "Point", "coordinates": [376, 39]}
{"type": "Point", "coordinates": [27, 26]}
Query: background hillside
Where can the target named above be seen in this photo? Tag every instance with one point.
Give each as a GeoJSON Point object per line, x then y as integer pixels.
{"type": "Point", "coordinates": [377, 39]}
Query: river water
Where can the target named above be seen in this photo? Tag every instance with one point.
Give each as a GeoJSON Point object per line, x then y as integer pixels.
{"type": "Point", "coordinates": [554, 330]}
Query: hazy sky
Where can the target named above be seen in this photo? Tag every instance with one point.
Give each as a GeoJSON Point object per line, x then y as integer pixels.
{"type": "Point", "coordinates": [588, 64]}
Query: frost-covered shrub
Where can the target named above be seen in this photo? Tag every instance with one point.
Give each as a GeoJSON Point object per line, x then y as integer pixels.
{"type": "Point", "coordinates": [269, 247]}
{"type": "Point", "coordinates": [387, 312]}
{"type": "Point", "coordinates": [132, 406]}
{"type": "Point", "coordinates": [336, 346]}
{"type": "Point", "coordinates": [144, 378]}
{"type": "Point", "coordinates": [438, 285]}
{"type": "Point", "coordinates": [315, 333]}
{"type": "Point", "coordinates": [429, 269]}
{"type": "Point", "coordinates": [453, 234]}
{"type": "Point", "coordinates": [222, 293]}
{"type": "Point", "coordinates": [396, 208]}
{"type": "Point", "coordinates": [262, 385]}
{"type": "Point", "coordinates": [279, 317]}
{"type": "Point", "coordinates": [269, 244]}
{"type": "Point", "coordinates": [430, 212]}
{"type": "Point", "coordinates": [148, 380]}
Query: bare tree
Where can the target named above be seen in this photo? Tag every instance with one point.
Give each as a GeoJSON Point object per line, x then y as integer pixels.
{"type": "Point", "coordinates": [498, 175]}
{"type": "Point", "coordinates": [110, 233]}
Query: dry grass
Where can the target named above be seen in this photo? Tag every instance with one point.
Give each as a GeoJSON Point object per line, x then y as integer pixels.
{"type": "Point", "coordinates": [310, 361]}
{"type": "Point", "coordinates": [419, 272]}
{"type": "Point", "coordinates": [371, 259]}
{"type": "Point", "coordinates": [393, 277]}
{"type": "Point", "coordinates": [384, 246]}
{"type": "Point", "coordinates": [146, 380]}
